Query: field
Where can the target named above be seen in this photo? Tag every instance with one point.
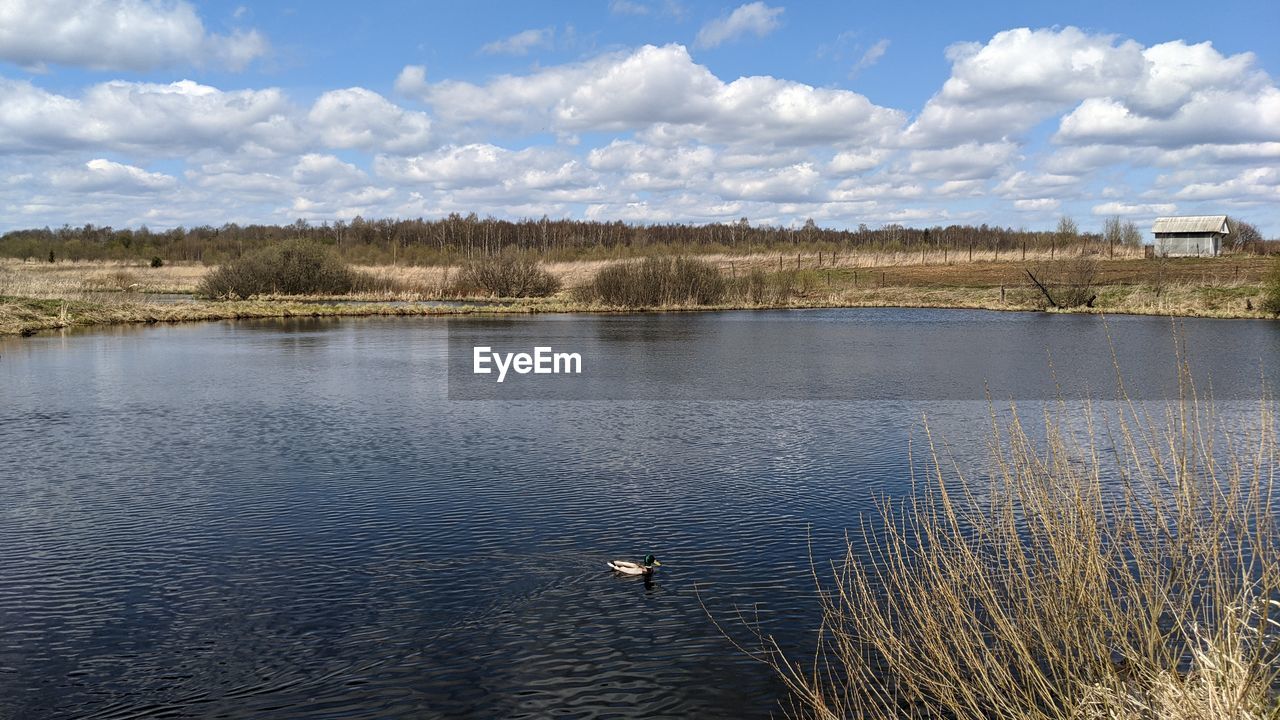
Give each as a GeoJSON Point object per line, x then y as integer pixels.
{"type": "Point", "coordinates": [38, 295]}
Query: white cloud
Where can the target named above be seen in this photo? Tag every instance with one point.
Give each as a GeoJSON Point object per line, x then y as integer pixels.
{"type": "Point", "coordinates": [870, 57]}
{"type": "Point", "coordinates": [100, 175]}
{"type": "Point", "coordinates": [797, 183]}
{"type": "Point", "coordinates": [963, 162]}
{"type": "Point", "coordinates": [956, 188]}
{"type": "Point", "coordinates": [125, 115]}
{"type": "Point", "coordinates": [661, 92]}
{"type": "Point", "coordinates": [1024, 184]}
{"type": "Point", "coordinates": [1208, 116]}
{"type": "Point", "coordinates": [1125, 92]}
{"type": "Point", "coordinates": [855, 189]}
{"type": "Point", "coordinates": [317, 169]}
{"type": "Point", "coordinates": [1254, 184]}
{"type": "Point", "coordinates": [1038, 204]}
{"type": "Point", "coordinates": [119, 35]}
{"type": "Point", "coordinates": [500, 172]}
{"type": "Point", "coordinates": [855, 161]}
{"type": "Point", "coordinates": [360, 118]}
{"type": "Point", "coordinates": [185, 116]}
{"type": "Point", "coordinates": [520, 43]}
{"type": "Point", "coordinates": [647, 133]}
{"type": "Point", "coordinates": [751, 19]}
{"type": "Point", "coordinates": [412, 81]}
{"type": "Point", "coordinates": [1122, 208]}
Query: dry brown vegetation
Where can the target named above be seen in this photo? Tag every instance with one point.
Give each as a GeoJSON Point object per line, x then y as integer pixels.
{"type": "Point", "coordinates": [1209, 287]}
{"type": "Point", "coordinates": [509, 274]}
{"type": "Point", "coordinates": [1127, 571]}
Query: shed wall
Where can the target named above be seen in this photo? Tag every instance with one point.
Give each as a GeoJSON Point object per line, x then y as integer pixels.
{"type": "Point", "coordinates": [1205, 244]}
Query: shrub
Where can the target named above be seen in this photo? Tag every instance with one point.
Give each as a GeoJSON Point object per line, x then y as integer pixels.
{"type": "Point", "coordinates": [1142, 588]}
{"type": "Point", "coordinates": [1071, 282]}
{"type": "Point", "coordinates": [1271, 290]}
{"type": "Point", "coordinates": [157, 262]}
{"type": "Point", "coordinates": [655, 282]}
{"type": "Point", "coordinates": [509, 274]}
{"type": "Point", "coordinates": [293, 267]}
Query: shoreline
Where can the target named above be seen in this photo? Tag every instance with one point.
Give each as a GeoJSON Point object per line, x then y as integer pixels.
{"type": "Point", "coordinates": [36, 297]}
{"type": "Point", "coordinates": [28, 316]}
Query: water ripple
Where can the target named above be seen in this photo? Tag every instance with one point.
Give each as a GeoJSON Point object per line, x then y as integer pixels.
{"type": "Point", "coordinates": [291, 520]}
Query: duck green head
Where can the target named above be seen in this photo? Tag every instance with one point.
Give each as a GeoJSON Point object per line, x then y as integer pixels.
{"type": "Point", "coordinates": [651, 561]}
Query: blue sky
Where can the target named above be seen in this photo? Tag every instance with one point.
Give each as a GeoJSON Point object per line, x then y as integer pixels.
{"type": "Point", "coordinates": [166, 113]}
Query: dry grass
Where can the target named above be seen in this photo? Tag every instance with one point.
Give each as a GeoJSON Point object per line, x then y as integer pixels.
{"type": "Point", "coordinates": [1224, 287]}
{"type": "Point", "coordinates": [1129, 572]}
{"type": "Point", "coordinates": [74, 279]}
{"type": "Point", "coordinates": [27, 316]}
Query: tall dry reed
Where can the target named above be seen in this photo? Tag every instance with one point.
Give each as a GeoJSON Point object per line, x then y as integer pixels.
{"type": "Point", "coordinates": [1130, 572]}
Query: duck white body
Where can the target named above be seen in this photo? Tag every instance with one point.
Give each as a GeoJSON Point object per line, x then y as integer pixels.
{"type": "Point", "coordinates": [626, 567]}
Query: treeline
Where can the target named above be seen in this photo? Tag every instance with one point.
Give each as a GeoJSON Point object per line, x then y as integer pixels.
{"type": "Point", "coordinates": [456, 238]}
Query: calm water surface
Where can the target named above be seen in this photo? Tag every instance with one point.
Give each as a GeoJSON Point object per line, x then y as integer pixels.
{"type": "Point", "coordinates": [293, 518]}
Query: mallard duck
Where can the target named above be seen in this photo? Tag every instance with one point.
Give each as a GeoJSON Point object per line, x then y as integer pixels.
{"type": "Point", "coordinates": [626, 567]}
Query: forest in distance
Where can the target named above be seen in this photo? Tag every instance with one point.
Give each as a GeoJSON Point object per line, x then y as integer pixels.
{"type": "Point", "coordinates": [445, 240]}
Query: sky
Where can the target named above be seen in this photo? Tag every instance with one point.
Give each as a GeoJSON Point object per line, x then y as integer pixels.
{"type": "Point", "coordinates": [167, 113]}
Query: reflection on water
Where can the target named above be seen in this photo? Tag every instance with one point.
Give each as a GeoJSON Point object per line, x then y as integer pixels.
{"type": "Point", "coordinates": [290, 519]}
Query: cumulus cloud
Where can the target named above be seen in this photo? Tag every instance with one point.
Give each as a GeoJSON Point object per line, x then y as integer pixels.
{"type": "Point", "coordinates": [1253, 185]}
{"type": "Point", "coordinates": [653, 168]}
{"type": "Point", "coordinates": [856, 161]}
{"type": "Point", "coordinates": [120, 35]}
{"type": "Point", "coordinates": [1038, 204]}
{"type": "Point", "coordinates": [520, 43]}
{"type": "Point", "coordinates": [963, 162]}
{"type": "Point", "coordinates": [751, 19]}
{"type": "Point", "coordinates": [1024, 184]}
{"type": "Point", "coordinates": [186, 116]}
{"type": "Point", "coordinates": [412, 81]}
{"type": "Point", "coordinates": [1122, 208]}
{"type": "Point", "coordinates": [1122, 93]}
{"type": "Point", "coordinates": [798, 183]}
{"type": "Point", "coordinates": [316, 169]}
{"type": "Point", "coordinates": [169, 118]}
{"type": "Point", "coordinates": [360, 118]}
{"type": "Point", "coordinates": [662, 92]}
{"type": "Point", "coordinates": [1210, 115]}
{"type": "Point", "coordinates": [101, 175]}
{"type": "Point", "coordinates": [647, 133]}
{"type": "Point", "coordinates": [482, 165]}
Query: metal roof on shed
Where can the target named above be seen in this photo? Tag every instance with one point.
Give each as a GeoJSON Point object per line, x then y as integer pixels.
{"type": "Point", "coordinates": [1191, 224]}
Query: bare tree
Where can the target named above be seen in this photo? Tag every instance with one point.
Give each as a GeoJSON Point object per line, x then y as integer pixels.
{"type": "Point", "coordinates": [1130, 234]}
{"type": "Point", "coordinates": [1242, 235]}
{"type": "Point", "coordinates": [1113, 232]}
{"type": "Point", "coordinates": [1067, 229]}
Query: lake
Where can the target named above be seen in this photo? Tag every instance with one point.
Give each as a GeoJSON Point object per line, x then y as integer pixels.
{"type": "Point", "coordinates": [335, 517]}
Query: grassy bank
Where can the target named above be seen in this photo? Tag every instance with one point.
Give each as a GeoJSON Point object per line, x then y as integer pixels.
{"type": "Point", "coordinates": [25, 316]}
{"type": "Point", "coordinates": [38, 296]}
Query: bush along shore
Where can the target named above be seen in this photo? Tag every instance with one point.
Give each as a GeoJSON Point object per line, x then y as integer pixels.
{"type": "Point", "coordinates": [290, 278]}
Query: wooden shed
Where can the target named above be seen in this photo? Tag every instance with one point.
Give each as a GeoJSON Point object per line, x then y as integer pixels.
{"type": "Point", "coordinates": [1190, 235]}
